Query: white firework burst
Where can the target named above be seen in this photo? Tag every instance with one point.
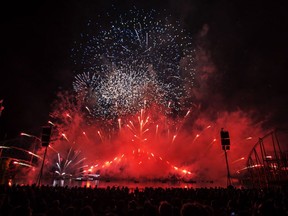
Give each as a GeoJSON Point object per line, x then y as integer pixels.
{"type": "Point", "coordinates": [139, 53]}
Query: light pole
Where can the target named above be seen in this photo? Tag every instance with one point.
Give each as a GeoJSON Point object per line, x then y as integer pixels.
{"type": "Point", "coordinates": [225, 142]}
{"type": "Point", "coordinates": [45, 140]}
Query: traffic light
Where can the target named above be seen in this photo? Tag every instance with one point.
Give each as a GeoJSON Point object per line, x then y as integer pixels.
{"type": "Point", "coordinates": [45, 137]}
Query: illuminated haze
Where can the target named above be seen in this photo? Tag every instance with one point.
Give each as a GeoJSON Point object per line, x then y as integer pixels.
{"type": "Point", "coordinates": [142, 105]}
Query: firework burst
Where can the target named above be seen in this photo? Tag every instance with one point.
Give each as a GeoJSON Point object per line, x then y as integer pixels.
{"type": "Point", "coordinates": [69, 165]}
{"type": "Point", "coordinates": [139, 56]}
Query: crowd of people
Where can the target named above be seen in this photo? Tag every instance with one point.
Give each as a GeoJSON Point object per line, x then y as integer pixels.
{"type": "Point", "coordinates": [31, 200]}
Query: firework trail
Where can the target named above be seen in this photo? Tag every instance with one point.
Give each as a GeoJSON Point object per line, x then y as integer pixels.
{"type": "Point", "coordinates": [69, 165]}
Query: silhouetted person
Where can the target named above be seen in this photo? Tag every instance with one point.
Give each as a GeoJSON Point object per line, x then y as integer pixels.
{"type": "Point", "coordinates": [267, 208]}
{"type": "Point", "coordinates": [165, 209]}
{"type": "Point", "coordinates": [55, 209]}
{"type": "Point", "coordinates": [87, 211]}
{"type": "Point", "coordinates": [149, 209]}
{"type": "Point", "coordinates": [21, 211]}
{"type": "Point", "coordinates": [132, 208]}
{"type": "Point", "coordinates": [69, 211]}
{"type": "Point", "coordinates": [191, 209]}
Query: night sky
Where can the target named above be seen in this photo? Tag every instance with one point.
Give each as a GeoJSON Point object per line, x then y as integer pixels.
{"type": "Point", "coordinates": [246, 41]}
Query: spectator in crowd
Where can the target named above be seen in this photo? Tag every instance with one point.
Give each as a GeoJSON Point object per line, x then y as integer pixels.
{"type": "Point", "coordinates": [30, 200]}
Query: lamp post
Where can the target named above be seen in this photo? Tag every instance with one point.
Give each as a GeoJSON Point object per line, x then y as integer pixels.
{"type": "Point", "coordinates": [225, 142]}
{"type": "Point", "coordinates": [45, 140]}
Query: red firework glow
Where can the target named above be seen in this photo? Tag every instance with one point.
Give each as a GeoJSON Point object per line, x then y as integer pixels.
{"type": "Point", "coordinates": [149, 145]}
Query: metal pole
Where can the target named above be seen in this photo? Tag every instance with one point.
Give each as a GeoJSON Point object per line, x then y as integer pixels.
{"type": "Point", "coordinates": [41, 170]}
{"type": "Point", "coordinates": [228, 171]}
{"type": "Point", "coordinates": [225, 142]}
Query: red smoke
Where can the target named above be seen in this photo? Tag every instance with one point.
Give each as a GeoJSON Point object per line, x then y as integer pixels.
{"type": "Point", "coordinates": [152, 145]}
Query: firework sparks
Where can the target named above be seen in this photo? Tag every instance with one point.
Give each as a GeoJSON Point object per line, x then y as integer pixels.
{"type": "Point", "coordinates": [139, 58]}
{"type": "Point", "coordinates": [71, 165]}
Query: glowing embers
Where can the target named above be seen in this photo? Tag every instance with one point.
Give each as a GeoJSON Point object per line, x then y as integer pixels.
{"type": "Point", "coordinates": [140, 160]}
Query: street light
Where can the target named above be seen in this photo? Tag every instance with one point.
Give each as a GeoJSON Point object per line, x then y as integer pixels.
{"type": "Point", "coordinates": [225, 142]}
{"type": "Point", "coordinates": [45, 140]}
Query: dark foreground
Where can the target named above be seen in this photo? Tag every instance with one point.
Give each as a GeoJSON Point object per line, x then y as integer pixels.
{"type": "Point", "coordinates": [118, 201]}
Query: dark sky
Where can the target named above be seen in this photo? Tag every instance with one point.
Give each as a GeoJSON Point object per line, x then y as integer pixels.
{"type": "Point", "coordinates": [247, 41]}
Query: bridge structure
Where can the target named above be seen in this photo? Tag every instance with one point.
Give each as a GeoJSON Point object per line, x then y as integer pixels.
{"type": "Point", "coordinates": [266, 164]}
